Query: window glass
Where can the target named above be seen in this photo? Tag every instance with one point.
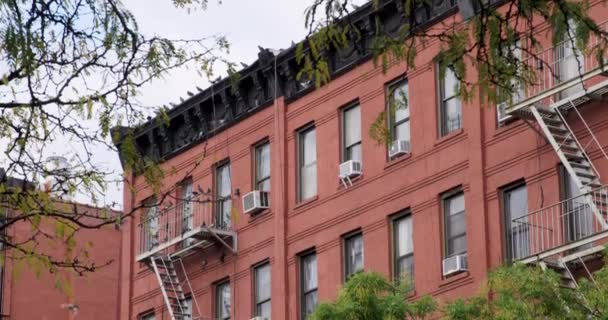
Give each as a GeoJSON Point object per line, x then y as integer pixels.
{"type": "Point", "coordinates": [399, 110]}
{"type": "Point", "coordinates": [455, 225]}
{"type": "Point", "coordinates": [224, 201]}
{"type": "Point", "coordinates": [187, 307]}
{"type": "Point", "coordinates": [352, 126]}
{"type": "Point", "coordinates": [262, 291]}
{"type": "Point", "coordinates": [516, 209]}
{"type": "Point", "coordinates": [308, 164]}
{"type": "Point", "coordinates": [353, 254]}
{"type": "Point", "coordinates": [451, 110]}
{"type": "Point", "coordinates": [262, 167]}
{"type": "Point", "coordinates": [149, 316]}
{"type": "Point", "coordinates": [309, 284]}
{"type": "Point", "coordinates": [223, 301]}
{"type": "Point", "coordinates": [404, 248]}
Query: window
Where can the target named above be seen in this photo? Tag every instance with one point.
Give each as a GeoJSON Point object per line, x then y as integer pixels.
{"type": "Point", "coordinates": [455, 234]}
{"type": "Point", "coordinates": [187, 305]}
{"type": "Point", "coordinates": [151, 225]}
{"type": "Point", "coordinates": [351, 135]}
{"type": "Point", "coordinates": [353, 254]}
{"type": "Point", "coordinates": [515, 88]}
{"type": "Point", "coordinates": [222, 301]}
{"type": "Point", "coordinates": [262, 167]}
{"type": "Point", "coordinates": [308, 285]}
{"type": "Point", "coordinates": [223, 191]}
{"type": "Point", "coordinates": [307, 163]}
{"type": "Point", "coordinates": [262, 291]}
{"type": "Point", "coordinates": [515, 201]}
{"type": "Point", "coordinates": [578, 215]}
{"type": "Point", "coordinates": [450, 110]}
{"type": "Point", "coordinates": [186, 196]}
{"type": "Point", "coordinates": [399, 111]}
{"type": "Point", "coordinates": [148, 316]}
{"type": "Point", "coordinates": [403, 244]}
{"type": "Point", "coordinates": [569, 61]}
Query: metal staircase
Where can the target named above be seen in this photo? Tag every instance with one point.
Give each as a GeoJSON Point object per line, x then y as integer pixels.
{"type": "Point", "coordinates": [566, 277]}
{"type": "Point", "coordinates": [172, 290]}
{"type": "Point", "coordinates": [572, 155]}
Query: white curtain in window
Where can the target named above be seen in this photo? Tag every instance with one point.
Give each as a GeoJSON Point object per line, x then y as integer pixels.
{"type": "Point", "coordinates": [310, 272]}
{"type": "Point", "coordinates": [352, 126]}
{"type": "Point", "coordinates": [262, 289]}
{"type": "Point", "coordinates": [405, 243]}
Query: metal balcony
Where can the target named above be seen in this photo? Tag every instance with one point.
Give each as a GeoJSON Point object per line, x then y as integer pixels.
{"type": "Point", "coordinates": [568, 226]}
{"type": "Point", "coordinates": [562, 76]}
{"type": "Point", "coordinates": [178, 230]}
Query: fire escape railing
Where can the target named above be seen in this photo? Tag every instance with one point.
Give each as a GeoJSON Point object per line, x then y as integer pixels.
{"type": "Point", "coordinates": [558, 228]}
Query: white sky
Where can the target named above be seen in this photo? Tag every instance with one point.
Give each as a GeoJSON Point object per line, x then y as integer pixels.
{"type": "Point", "coordinates": [246, 23]}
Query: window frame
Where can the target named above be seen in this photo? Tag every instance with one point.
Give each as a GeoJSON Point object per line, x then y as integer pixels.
{"type": "Point", "coordinates": [406, 214]}
{"type": "Point", "coordinates": [257, 303]}
{"type": "Point", "coordinates": [217, 303]}
{"type": "Point", "coordinates": [219, 203]}
{"type": "Point", "coordinates": [300, 161]}
{"type": "Point", "coordinates": [302, 292]}
{"type": "Point", "coordinates": [257, 180]}
{"type": "Point", "coordinates": [507, 217]}
{"type": "Point", "coordinates": [148, 236]}
{"type": "Point", "coordinates": [445, 197]}
{"type": "Point", "coordinates": [343, 147]}
{"type": "Point", "coordinates": [443, 129]}
{"type": "Point", "coordinates": [347, 272]}
{"type": "Point", "coordinates": [392, 124]}
{"type": "Point", "coordinates": [144, 315]}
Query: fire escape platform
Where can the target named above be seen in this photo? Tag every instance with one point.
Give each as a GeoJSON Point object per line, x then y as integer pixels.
{"type": "Point", "coordinates": [202, 235]}
{"type": "Point", "coordinates": [569, 247]}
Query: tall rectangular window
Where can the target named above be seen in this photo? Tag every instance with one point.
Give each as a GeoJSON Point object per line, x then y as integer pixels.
{"type": "Point", "coordinates": [308, 285]}
{"type": "Point", "coordinates": [353, 254]}
{"type": "Point", "coordinates": [454, 220]}
{"type": "Point", "coordinates": [307, 163]}
{"type": "Point", "coordinates": [262, 167]}
{"type": "Point", "coordinates": [222, 301]}
{"type": "Point", "coordinates": [262, 291]}
{"type": "Point", "coordinates": [186, 195]}
{"type": "Point", "coordinates": [399, 111]}
{"type": "Point", "coordinates": [187, 307]}
{"type": "Point", "coordinates": [515, 202]}
{"type": "Point", "coordinates": [351, 135]}
{"type": "Point", "coordinates": [512, 92]}
{"type": "Point", "coordinates": [148, 316]}
{"type": "Point", "coordinates": [450, 110]}
{"type": "Point", "coordinates": [223, 195]}
{"type": "Point", "coordinates": [578, 215]}
{"type": "Point", "coordinates": [403, 243]}
{"type": "Point", "coordinates": [570, 61]}
{"type": "Point", "coordinates": [151, 225]}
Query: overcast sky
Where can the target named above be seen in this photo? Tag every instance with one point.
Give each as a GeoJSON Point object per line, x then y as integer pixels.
{"type": "Point", "coordinates": [246, 24]}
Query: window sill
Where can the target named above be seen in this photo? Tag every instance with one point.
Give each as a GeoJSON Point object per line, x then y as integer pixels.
{"type": "Point", "coordinates": [258, 215]}
{"type": "Point", "coordinates": [352, 180]}
{"type": "Point", "coordinates": [303, 203]}
{"type": "Point", "coordinates": [454, 278]}
{"type": "Point", "coordinates": [449, 136]}
{"type": "Point", "coordinates": [394, 161]}
{"type": "Point", "coordinates": [506, 126]}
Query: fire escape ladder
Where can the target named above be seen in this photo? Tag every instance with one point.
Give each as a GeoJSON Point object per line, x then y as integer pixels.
{"type": "Point", "coordinates": [194, 300]}
{"type": "Point", "coordinates": [566, 277]}
{"type": "Point", "coordinates": [573, 157]}
{"type": "Point", "coordinates": [170, 286]}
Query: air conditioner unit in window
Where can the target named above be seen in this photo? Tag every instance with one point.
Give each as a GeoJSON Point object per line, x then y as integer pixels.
{"type": "Point", "coordinates": [398, 147]}
{"type": "Point", "coordinates": [501, 110]}
{"type": "Point", "coordinates": [349, 169]}
{"type": "Point", "coordinates": [454, 264]}
{"type": "Point", "coordinates": [255, 201]}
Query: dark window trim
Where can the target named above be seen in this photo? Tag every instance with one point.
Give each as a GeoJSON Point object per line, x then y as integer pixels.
{"type": "Point", "coordinates": [506, 223]}
{"type": "Point", "coordinates": [301, 293]}
{"type": "Point", "coordinates": [147, 314]}
{"type": "Point", "coordinates": [444, 197]}
{"type": "Point", "coordinates": [441, 99]}
{"type": "Point", "coordinates": [255, 146]}
{"type": "Point", "coordinates": [254, 268]}
{"type": "Point", "coordinates": [343, 147]}
{"type": "Point", "coordinates": [216, 288]}
{"type": "Point", "coordinates": [299, 153]}
{"type": "Point", "coordinates": [407, 213]}
{"type": "Point", "coordinates": [345, 238]}
{"type": "Point", "coordinates": [390, 119]}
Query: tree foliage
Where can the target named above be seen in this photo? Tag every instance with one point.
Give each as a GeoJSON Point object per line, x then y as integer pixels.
{"type": "Point", "coordinates": [370, 296]}
{"type": "Point", "coordinates": [70, 71]}
{"type": "Point", "coordinates": [480, 50]}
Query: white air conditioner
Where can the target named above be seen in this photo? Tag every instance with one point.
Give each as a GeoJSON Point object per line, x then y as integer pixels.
{"type": "Point", "coordinates": [398, 147]}
{"type": "Point", "coordinates": [454, 264]}
{"type": "Point", "coordinates": [255, 201]}
{"type": "Point", "coordinates": [501, 111]}
{"type": "Point", "coordinates": [349, 169]}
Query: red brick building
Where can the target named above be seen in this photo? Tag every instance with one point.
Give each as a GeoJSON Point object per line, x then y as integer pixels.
{"type": "Point", "coordinates": [30, 293]}
{"type": "Point", "coordinates": [461, 189]}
